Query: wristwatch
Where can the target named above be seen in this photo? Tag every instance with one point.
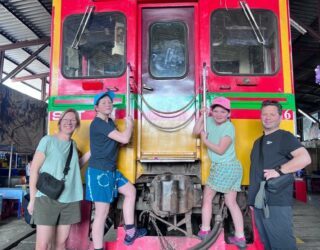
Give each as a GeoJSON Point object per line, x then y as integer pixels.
{"type": "Point", "coordinates": [278, 170]}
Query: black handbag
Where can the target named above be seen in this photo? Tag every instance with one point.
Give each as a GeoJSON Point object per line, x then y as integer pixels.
{"type": "Point", "coordinates": [275, 185]}
{"type": "Point", "coordinates": [49, 185]}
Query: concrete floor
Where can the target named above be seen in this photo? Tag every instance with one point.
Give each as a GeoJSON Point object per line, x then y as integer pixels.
{"type": "Point", "coordinates": [27, 244]}
{"type": "Point", "coordinates": [306, 220]}
{"type": "Point", "coordinates": [314, 200]}
{"type": "Point", "coordinates": [12, 229]}
{"type": "Point", "coordinates": [306, 227]}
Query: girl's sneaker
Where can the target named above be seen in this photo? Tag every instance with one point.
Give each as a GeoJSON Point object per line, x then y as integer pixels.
{"type": "Point", "coordinates": [238, 241]}
{"type": "Point", "coordinates": [203, 234]}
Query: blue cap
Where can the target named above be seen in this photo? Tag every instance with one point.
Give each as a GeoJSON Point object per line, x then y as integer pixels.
{"type": "Point", "coordinates": [99, 96]}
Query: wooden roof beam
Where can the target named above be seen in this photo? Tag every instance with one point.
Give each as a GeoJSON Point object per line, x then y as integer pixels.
{"type": "Point", "coordinates": [24, 44]}
{"type": "Point", "coordinates": [31, 77]}
{"type": "Point", "coordinates": [25, 63]}
{"type": "Point", "coordinates": [27, 84]}
{"type": "Point", "coordinates": [1, 63]}
{"type": "Point", "coordinates": [312, 32]}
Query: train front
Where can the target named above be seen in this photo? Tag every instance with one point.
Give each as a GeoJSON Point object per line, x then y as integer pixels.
{"type": "Point", "coordinates": [165, 61]}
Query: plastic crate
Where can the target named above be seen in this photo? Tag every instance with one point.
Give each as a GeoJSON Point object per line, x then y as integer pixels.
{"type": "Point", "coordinates": [9, 208]}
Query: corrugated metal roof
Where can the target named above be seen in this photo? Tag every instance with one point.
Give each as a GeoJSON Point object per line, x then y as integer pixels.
{"type": "Point", "coordinates": [34, 13]}
{"type": "Point", "coordinates": [14, 27]}
{"type": "Point", "coordinates": [22, 20]}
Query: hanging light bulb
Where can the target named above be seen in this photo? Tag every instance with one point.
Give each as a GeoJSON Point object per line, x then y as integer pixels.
{"type": "Point", "coordinates": [317, 77]}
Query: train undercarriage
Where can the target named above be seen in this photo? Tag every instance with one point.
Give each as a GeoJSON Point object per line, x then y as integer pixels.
{"type": "Point", "coordinates": [169, 204]}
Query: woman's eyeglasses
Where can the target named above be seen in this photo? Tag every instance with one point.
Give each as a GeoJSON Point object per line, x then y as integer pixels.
{"type": "Point", "coordinates": [69, 120]}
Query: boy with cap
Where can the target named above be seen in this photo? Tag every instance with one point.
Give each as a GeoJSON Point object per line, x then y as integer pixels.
{"type": "Point", "coordinates": [102, 177]}
{"type": "Point", "coordinates": [225, 172]}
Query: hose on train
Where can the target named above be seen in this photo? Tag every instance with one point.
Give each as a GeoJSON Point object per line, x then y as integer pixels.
{"type": "Point", "coordinates": [211, 238]}
{"type": "Point", "coordinates": [215, 232]}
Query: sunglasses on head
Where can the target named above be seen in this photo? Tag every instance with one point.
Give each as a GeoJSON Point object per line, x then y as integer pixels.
{"type": "Point", "coordinates": [267, 102]}
{"type": "Point", "coordinates": [272, 103]}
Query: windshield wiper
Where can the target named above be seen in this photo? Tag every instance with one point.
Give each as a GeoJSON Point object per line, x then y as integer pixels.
{"type": "Point", "coordinates": [256, 29]}
{"type": "Point", "coordinates": [82, 27]}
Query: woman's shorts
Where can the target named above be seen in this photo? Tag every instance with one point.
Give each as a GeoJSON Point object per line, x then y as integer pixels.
{"type": "Point", "coordinates": [52, 213]}
{"type": "Point", "coordinates": [102, 185]}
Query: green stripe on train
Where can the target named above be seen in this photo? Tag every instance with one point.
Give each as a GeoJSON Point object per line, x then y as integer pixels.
{"type": "Point", "coordinates": [54, 104]}
{"type": "Point", "coordinates": [253, 104]}
{"type": "Point", "coordinates": [120, 103]}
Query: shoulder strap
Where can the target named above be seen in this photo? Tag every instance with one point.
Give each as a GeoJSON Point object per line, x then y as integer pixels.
{"type": "Point", "coordinates": [67, 167]}
{"type": "Point", "coordinates": [285, 154]}
{"type": "Point", "coordinates": [261, 158]}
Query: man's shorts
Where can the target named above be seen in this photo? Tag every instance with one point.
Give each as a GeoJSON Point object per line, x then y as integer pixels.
{"type": "Point", "coordinates": [102, 185]}
{"type": "Point", "coordinates": [50, 212]}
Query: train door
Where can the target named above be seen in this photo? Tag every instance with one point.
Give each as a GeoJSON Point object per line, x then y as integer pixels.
{"type": "Point", "coordinates": [167, 83]}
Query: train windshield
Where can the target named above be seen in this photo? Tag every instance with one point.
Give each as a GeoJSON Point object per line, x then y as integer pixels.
{"type": "Point", "coordinates": [168, 43]}
{"type": "Point", "coordinates": [94, 47]}
{"type": "Point", "coordinates": [235, 49]}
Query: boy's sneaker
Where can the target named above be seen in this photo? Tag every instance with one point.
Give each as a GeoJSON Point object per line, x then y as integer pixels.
{"type": "Point", "coordinates": [240, 242]}
{"type": "Point", "coordinates": [140, 232]}
{"type": "Point", "coordinates": [203, 234]}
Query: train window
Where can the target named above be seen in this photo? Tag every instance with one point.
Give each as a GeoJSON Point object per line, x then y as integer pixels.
{"type": "Point", "coordinates": [236, 50]}
{"type": "Point", "coordinates": [95, 50]}
{"type": "Point", "coordinates": [167, 50]}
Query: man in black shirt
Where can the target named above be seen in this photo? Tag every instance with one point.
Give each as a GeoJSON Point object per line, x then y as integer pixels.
{"type": "Point", "coordinates": [276, 153]}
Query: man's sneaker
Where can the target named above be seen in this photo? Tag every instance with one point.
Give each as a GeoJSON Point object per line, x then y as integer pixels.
{"type": "Point", "coordinates": [240, 242]}
{"type": "Point", "coordinates": [140, 232]}
{"type": "Point", "coordinates": [203, 234]}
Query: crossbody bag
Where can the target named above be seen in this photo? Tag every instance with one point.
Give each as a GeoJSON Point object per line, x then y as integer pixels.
{"type": "Point", "coordinates": [51, 186]}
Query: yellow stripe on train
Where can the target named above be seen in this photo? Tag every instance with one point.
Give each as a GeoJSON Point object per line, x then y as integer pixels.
{"type": "Point", "coordinates": [247, 131]}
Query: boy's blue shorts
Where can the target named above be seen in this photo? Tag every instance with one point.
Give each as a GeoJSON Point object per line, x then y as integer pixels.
{"type": "Point", "coordinates": [102, 185]}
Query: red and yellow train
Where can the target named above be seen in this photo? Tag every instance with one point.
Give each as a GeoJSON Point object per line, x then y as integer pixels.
{"type": "Point", "coordinates": [165, 59]}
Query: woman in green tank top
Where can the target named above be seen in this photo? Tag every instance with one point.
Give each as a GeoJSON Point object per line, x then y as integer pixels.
{"type": "Point", "coordinates": [54, 217]}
